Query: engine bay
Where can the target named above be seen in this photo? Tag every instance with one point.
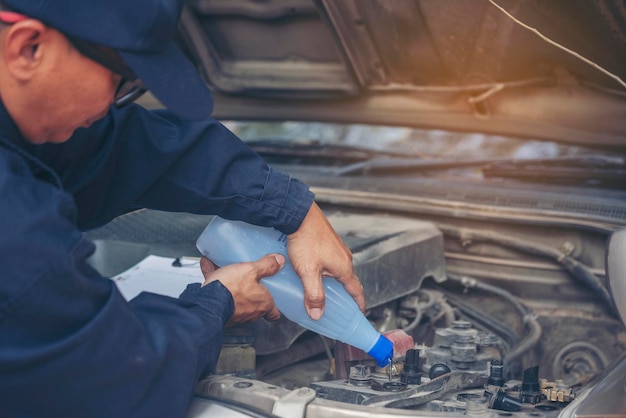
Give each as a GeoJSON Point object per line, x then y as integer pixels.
{"type": "Point", "coordinates": [486, 322]}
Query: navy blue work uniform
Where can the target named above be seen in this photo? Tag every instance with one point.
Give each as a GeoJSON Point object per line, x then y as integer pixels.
{"type": "Point", "coordinates": [70, 345]}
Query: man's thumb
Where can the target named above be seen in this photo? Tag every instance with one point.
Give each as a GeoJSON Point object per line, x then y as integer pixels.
{"type": "Point", "coordinates": [270, 265]}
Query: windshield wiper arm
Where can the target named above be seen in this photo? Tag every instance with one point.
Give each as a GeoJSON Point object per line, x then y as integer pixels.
{"type": "Point", "coordinates": [399, 165]}
{"type": "Point", "coordinates": [363, 160]}
{"type": "Point", "coordinates": [592, 166]}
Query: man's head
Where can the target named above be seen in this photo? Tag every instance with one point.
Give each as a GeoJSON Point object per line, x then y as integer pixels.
{"type": "Point", "coordinates": [65, 61]}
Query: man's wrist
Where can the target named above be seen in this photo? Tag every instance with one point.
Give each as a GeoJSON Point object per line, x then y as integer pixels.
{"type": "Point", "coordinates": [295, 200]}
{"type": "Point", "coordinates": [210, 301]}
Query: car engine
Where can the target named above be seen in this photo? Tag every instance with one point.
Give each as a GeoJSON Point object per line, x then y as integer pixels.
{"type": "Point", "coordinates": [483, 323]}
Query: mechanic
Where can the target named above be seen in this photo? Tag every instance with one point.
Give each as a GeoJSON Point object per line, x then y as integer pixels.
{"type": "Point", "coordinates": [74, 154]}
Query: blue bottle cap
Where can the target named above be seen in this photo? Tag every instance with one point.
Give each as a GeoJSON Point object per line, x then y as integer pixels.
{"type": "Point", "coordinates": [382, 351]}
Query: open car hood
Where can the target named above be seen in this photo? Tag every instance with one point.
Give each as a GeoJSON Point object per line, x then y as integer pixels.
{"type": "Point", "coordinates": [453, 64]}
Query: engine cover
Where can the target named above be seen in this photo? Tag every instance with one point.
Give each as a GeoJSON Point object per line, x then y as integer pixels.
{"type": "Point", "coordinates": [391, 256]}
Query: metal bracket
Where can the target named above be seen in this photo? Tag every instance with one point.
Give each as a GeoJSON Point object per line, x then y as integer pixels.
{"type": "Point", "coordinates": [293, 404]}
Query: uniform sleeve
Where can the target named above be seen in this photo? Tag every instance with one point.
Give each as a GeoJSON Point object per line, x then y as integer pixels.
{"type": "Point", "coordinates": [70, 345]}
{"type": "Point", "coordinates": [136, 158]}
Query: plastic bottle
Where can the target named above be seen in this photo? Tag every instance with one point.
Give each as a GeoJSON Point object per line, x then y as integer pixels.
{"type": "Point", "coordinates": [226, 242]}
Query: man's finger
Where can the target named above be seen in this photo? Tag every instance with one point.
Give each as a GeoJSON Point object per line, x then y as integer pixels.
{"type": "Point", "coordinates": [268, 265]}
{"type": "Point", "coordinates": [314, 298]}
{"type": "Point", "coordinates": [354, 287]}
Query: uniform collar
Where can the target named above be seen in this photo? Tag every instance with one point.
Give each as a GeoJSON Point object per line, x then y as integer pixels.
{"type": "Point", "coordinates": [11, 138]}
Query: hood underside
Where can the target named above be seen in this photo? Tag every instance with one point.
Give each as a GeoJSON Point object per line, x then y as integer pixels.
{"type": "Point", "coordinates": [477, 66]}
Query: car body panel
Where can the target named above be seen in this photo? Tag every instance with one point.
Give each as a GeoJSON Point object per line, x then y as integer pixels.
{"type": "Point", "coordinates": [452, 64]}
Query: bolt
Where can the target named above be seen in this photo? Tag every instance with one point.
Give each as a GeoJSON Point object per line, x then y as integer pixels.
{"type": "Point", "coordinates": [567, 248]}
{"type": "Point", "coordinates": [360, 374]}
{"type": "Point", "coordinates": [304, 392]}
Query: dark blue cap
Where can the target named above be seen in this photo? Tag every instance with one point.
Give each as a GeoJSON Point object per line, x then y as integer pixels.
{"type": "Point", "coordinates": [382, 351]}
{"type": "Point", "coordinates": [141, 31]}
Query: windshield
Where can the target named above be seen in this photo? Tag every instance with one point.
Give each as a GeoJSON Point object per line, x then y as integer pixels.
{"type": "Point", "coordinates": [407, 141]}
{"type": "Point", "coordinates": [350, 149]}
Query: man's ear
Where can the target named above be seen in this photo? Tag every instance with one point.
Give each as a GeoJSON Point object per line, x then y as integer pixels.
{"type": "Point", "coordinates": [22, 52]}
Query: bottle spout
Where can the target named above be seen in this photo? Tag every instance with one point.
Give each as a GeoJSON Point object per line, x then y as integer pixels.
{"type": "Point", "coordinates": [382, 351]}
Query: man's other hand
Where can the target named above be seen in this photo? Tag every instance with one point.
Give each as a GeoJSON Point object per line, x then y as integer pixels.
{"type": "Point", "coordinates": [315, 250]}
{"type": "Point", "coordinates": [252, 299]}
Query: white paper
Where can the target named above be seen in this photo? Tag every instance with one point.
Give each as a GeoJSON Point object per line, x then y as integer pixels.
{"type": "Point", "coordinates": [156, 274]}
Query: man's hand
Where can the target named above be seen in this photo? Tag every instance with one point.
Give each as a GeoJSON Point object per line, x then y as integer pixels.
{"type": "Point", "coordinates": [252, 299]}
{"type": "Point", "coordinates": [315, 250]}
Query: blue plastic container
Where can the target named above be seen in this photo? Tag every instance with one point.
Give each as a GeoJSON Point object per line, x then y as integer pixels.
{"type": "Point", "coordinates": [226, 242]}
